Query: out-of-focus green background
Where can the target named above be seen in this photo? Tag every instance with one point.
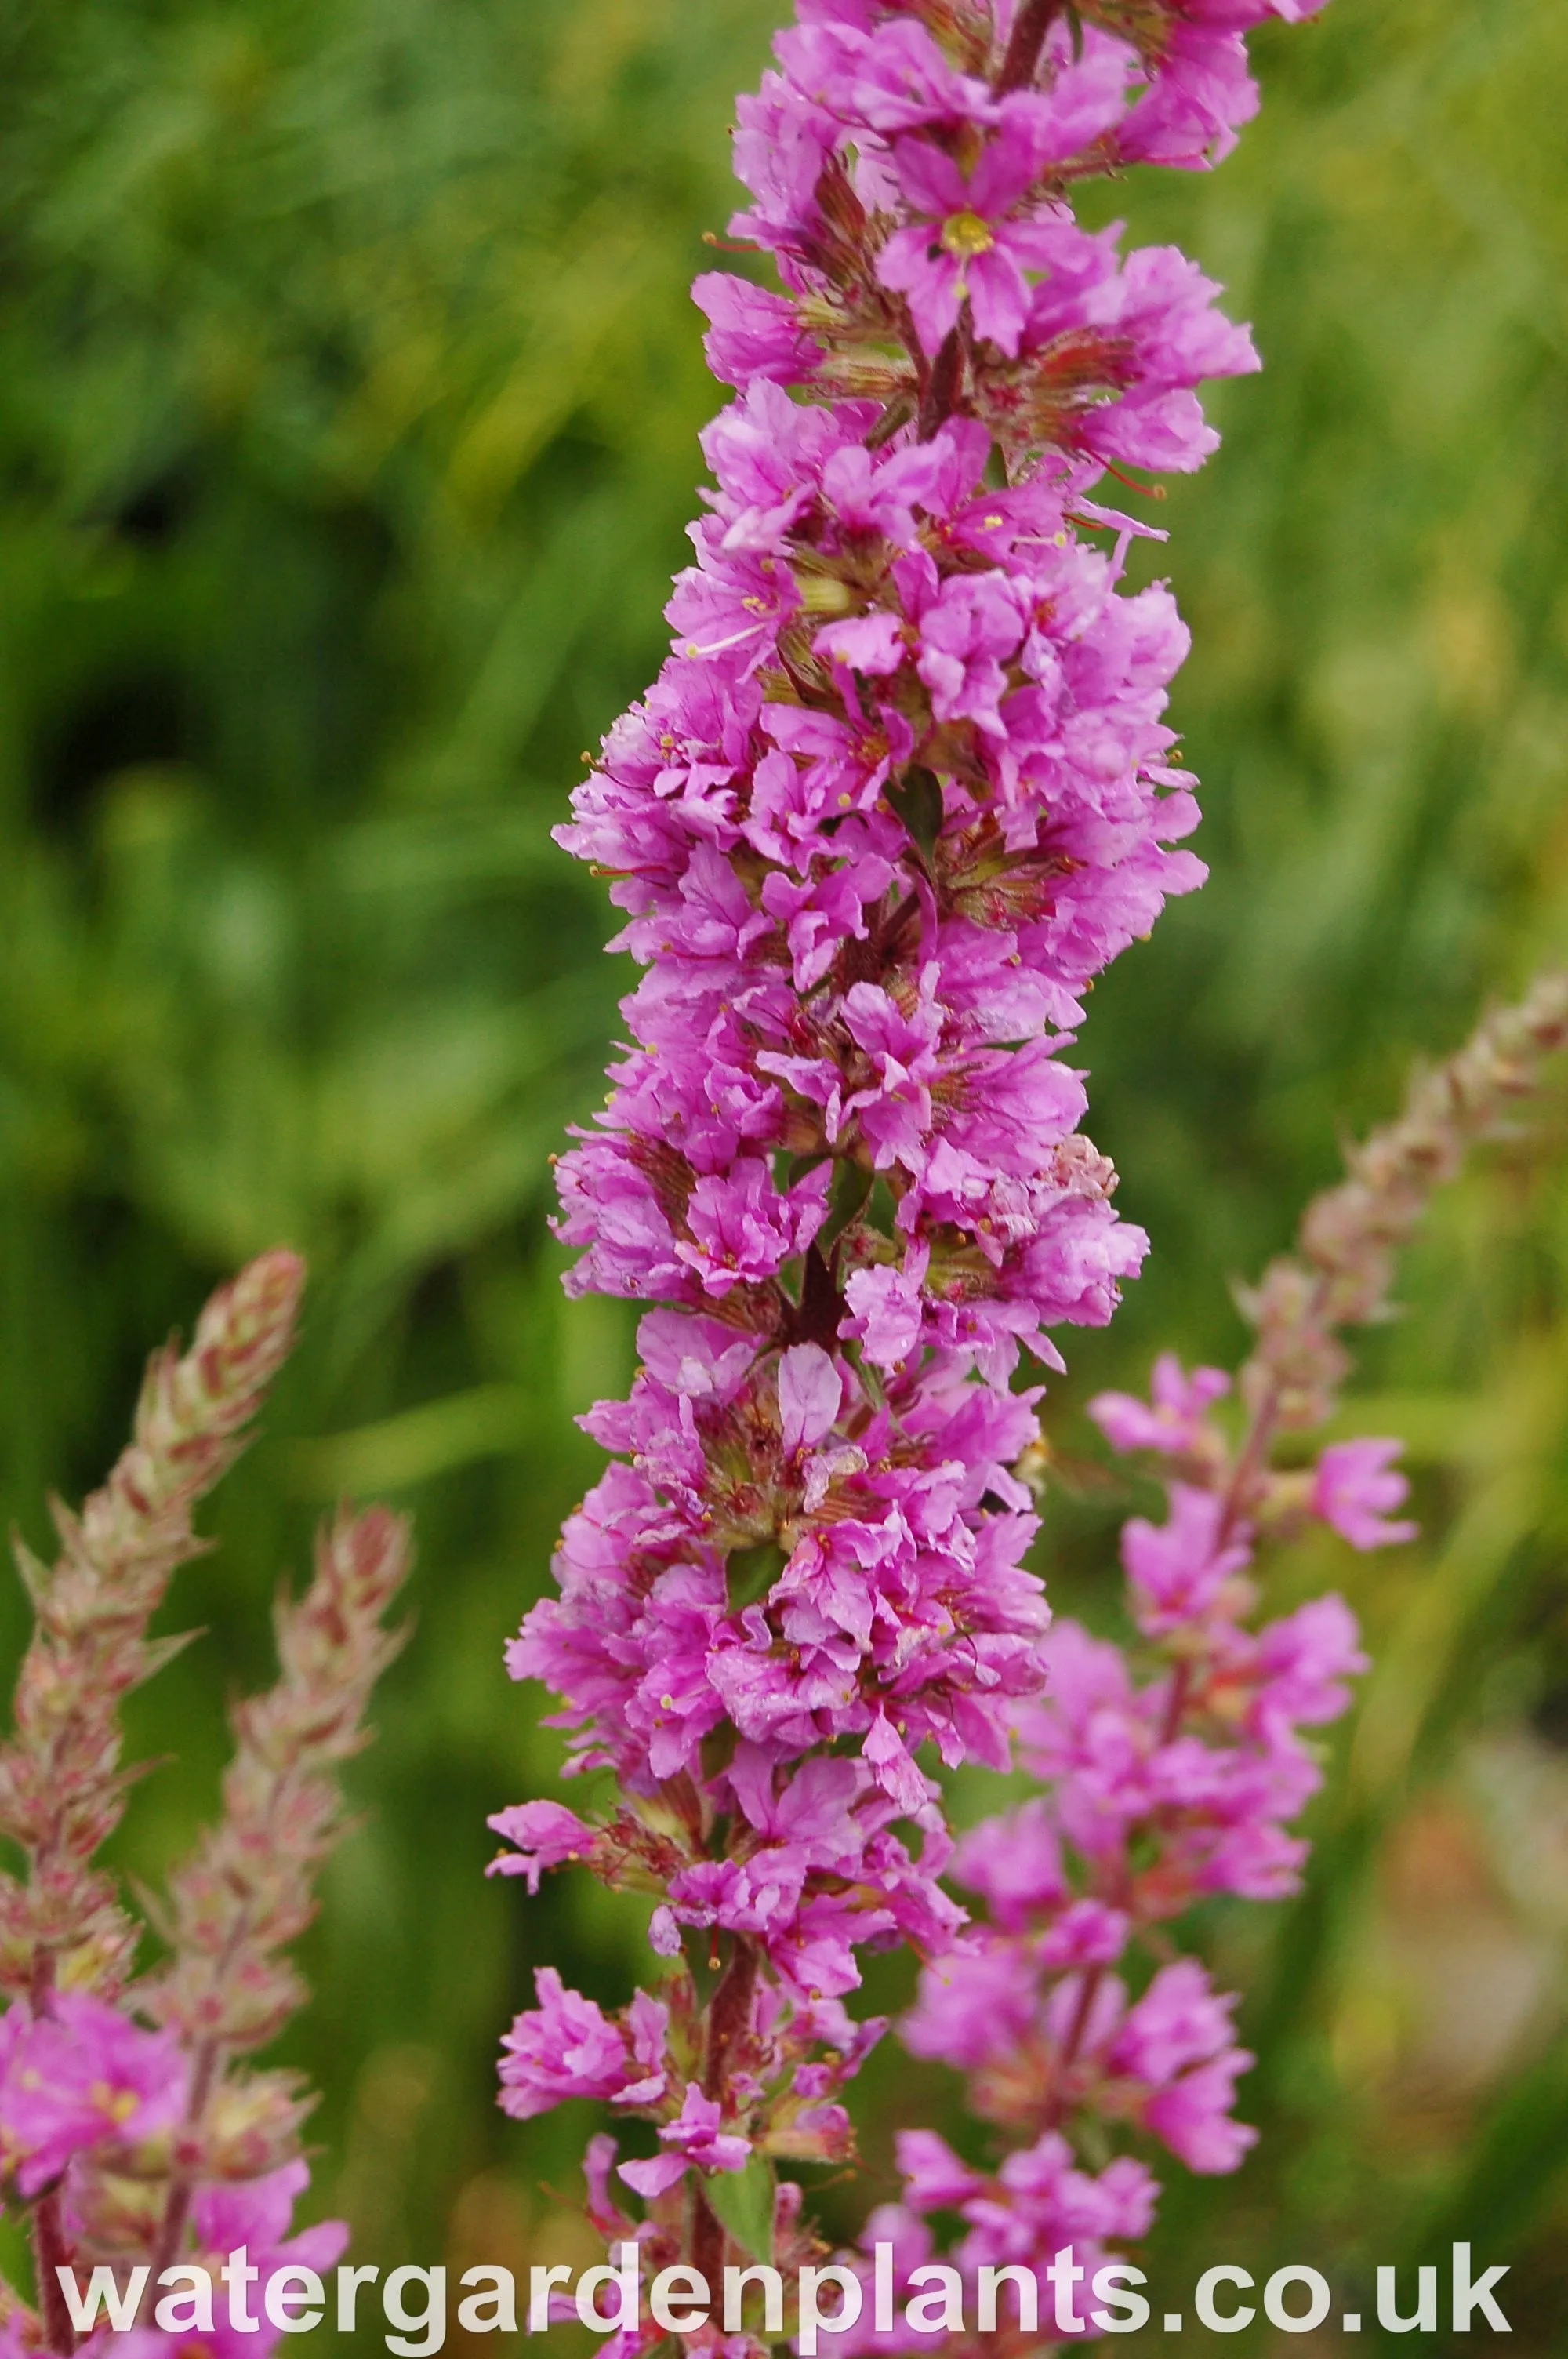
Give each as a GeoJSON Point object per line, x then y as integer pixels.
{"type": "Point", "coordinates": [348, 397]}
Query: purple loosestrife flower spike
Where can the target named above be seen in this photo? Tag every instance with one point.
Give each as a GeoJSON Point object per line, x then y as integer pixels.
{"type": "Point", "coordinates": [1341, 1270]}
{"type": "Point", "coordinates": [248, 1889]}
{"type": "Point", "coordinates": [61, 1787]}
{"type": "Point", "coordinates": [1174, 1769]}
{"type": "Point", "coordinates": [131, 2145]}
{"type": "Point", "coordinates": [903, 788]}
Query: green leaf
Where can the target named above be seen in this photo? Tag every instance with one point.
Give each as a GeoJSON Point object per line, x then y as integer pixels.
{"type": "Point", "coordinates": [917, 800]}
{"type": "Point", "coordinates": [851, 1186]}
{"type": "Point", "coordinates": [882, 1209]}
{"type": "Point", "coordinates": [750, 1572]}
{"type": "Point", "coordinates": [742, 2201]}
{"type": "Point", "coordinates": [719, 1749]}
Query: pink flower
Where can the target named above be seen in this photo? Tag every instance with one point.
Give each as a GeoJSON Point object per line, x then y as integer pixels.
{"type": "Point", "coordinates": [1179, 1568]}
{"type": "Point", "coordinates": [1177, 2040]}
{"type": "Point", "coordinates": [965, 632]}
{"type": "Point", "coordinates": [892, 78]}
{"type": "Point", "coordinates": [970, 242]}
{"type": "Point", "coordinates": [1176, 1424]}
{"type": "Point", "coordinates": [1087, 1933]}
{"type": "Point", "coordinates": [1176, 2022]}
{"type": "Point", "coordinates": [933, 2178]}
{"type": "Point", "coordinates": [1355, 1486]}
{"type": "Point", "coordinates": [901, 1052]}
{"type": "Point", "coordinates": [825, 767]}
{"type": "Point", "coordinates": [1014, 1863]}
{"type": "Point", "coordinates": [810, 1393]}
{"type": "Point", "coordinates": [1305, 1658]}
{"type": "Point", "coordinates": [567, 2047]}
{"type": "Point", "coordinates": [1202, 93]}
{"type": "Point", "coordinates": [545, 1834]}
{"type": "Point", "coordinates": [873, 644]}
{"type": "Point", "coordinates": [974, 2006]}
{"type": "Point", "coordinates": [753, 333]}
{"type": "Point", "coordinates": [886, 1308]}
{"type": "Point", "coordinates": [80, 2077]}
{"type": "Point", "coordinates": [693, 2136]}
{"type": "Point", "coordinates": [1193, 2115]}
{"type": "Point", "coordinates": [743, 1229]}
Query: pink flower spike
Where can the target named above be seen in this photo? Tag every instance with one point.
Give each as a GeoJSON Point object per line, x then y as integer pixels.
{"type": "Point", "coordinates": [903, 789]}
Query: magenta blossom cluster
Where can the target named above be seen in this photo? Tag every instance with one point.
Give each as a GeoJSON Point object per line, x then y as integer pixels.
{"type": "Point", "coordinates": [1171, 1772]}
{"type": "Point", "coordinates": [88, 2095]}
{"type": "Point", "coordinates": [903, 788]}
{"type": "Point", "coordinates": [76, 2078]}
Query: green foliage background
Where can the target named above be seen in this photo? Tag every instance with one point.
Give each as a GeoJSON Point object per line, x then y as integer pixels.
{"type": "Point", "coordinates": [348, 396]}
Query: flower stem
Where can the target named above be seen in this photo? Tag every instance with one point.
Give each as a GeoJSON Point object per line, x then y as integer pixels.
{"type": "Point", "coordinates": [728, 2013]}
{"type": "Point", "coordinates": [941, 387]}
{"type": "Point", "coordinates": [1019, 64]}
{"type": "Point", "coordinates": [50, 2252]}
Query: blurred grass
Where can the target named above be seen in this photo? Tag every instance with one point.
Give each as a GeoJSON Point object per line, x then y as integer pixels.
{"type": "Point", "coordinates": [347, 396]}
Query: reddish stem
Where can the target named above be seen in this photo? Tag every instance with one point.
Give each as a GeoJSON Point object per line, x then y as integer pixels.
{"type": "Point", "coordinates": [1057, 2105]}
{"type": "Point", "coordinates": [821, 1308]}
{"type": "Point", "coordinates": [1080, 2023]}
{"type": "Point", "coordinates": [728, 2015]}
{"type": "Point", "coordinates": [941, 387]}
{"type": "Point", "coordinates": [177, 2204]}
{"type": "Point", "coordinates": [1259, 1438]}
{"type": "Point", "coordinates": [1181, 1687]}
{"type": "Point", "coordinates": [1022, 60]}
{"type": "Point", "coordinates": [708, 2245]}
{"type": "Point", "coordinates": [51, 2251]}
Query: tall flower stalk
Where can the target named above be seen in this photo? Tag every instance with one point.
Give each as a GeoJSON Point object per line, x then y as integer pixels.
{"type": "Point", "coordinates": [134, 2133]}
{"type": "Point", "coordinates": [901, 791]}
{"type": "Point", "coordinates": [1172, 1769]}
